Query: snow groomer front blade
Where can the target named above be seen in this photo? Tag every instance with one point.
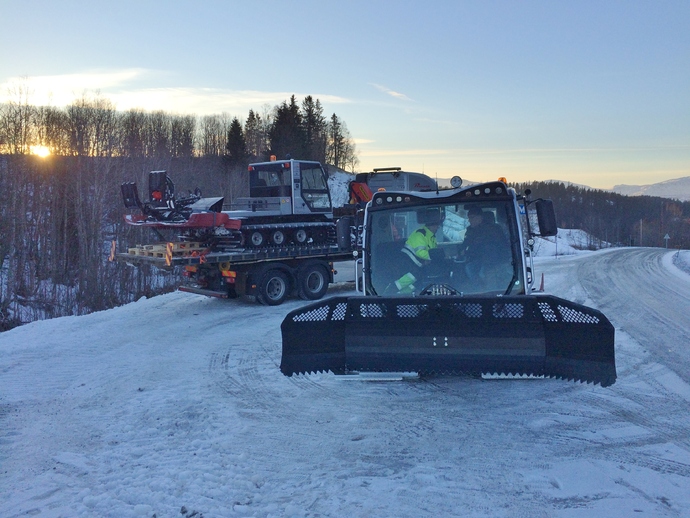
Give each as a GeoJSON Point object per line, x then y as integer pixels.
{"type": "Point", "coordinates": [520, 335]}
{"type": "Point", "coordinates": [314, 338]}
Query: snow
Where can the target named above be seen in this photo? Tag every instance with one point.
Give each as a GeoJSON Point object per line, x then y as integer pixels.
{"type": "Point", "coordinates": [176, 404]}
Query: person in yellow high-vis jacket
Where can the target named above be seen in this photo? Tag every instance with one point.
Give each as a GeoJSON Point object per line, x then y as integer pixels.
{"type": "Point", "coordinates": [417, 248]}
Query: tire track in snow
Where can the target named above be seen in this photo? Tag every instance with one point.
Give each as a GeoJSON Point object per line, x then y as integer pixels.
{"type": "Point", "coordinates": [632, 287]}
{"type": "Point", "coordinates": [447, 438]}
{"type": "Point", "coordinates": [635, 420]}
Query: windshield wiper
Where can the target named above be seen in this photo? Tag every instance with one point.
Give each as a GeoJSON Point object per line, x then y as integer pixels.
{"type": "Point", "coordinates": [513, 280]}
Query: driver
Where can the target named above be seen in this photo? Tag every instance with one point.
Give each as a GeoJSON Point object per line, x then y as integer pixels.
{"type": "Point", "coordinates": [418, 247]}
{"type": "Point", "coordinates": [486, 250]}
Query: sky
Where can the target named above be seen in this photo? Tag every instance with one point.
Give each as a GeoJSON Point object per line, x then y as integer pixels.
{"type": "Point", "coordinates": [596, 93]}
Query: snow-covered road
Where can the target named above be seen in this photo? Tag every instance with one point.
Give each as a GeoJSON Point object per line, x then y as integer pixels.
{"type": "Point", "coordinates": [653, 308]}
{"type": "Point", "coordinates": [176, 405]}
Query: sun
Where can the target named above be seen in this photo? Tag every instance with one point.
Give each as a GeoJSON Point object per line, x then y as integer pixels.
{"type": "Point", "coordinates": [41, 151]}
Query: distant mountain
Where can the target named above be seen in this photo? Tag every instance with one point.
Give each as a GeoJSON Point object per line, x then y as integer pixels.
{"type": "Point", "coordinates": [570, 184]}
{"type": "Point", "coordinates": [678, 189]}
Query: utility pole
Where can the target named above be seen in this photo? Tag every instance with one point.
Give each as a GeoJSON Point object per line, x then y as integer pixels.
{"type": "Point", "coordinates": [640, 231]}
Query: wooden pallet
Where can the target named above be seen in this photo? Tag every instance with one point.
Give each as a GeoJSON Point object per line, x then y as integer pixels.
{"type": "Point", "coordinates": [160, 249]}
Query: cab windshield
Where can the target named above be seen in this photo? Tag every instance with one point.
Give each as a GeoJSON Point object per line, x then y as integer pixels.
{"type": "Point", "coordinates": [466, 248]}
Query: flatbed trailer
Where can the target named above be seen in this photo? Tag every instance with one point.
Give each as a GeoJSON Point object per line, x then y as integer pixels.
{"type": "Point", "coordinates": [270, 274]}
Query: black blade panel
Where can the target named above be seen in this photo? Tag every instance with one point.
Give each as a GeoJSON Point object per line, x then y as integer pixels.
{"type": "Point", "coordinates": [520, 335]}
{"type": "Point", "coordinates": [314, 338]}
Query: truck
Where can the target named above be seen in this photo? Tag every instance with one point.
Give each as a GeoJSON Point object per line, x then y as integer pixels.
{"type": "Point", "coordinates": [466, 308]}
{"type": "Point", "coordinates": [282, 240]}
{"type": "Point", "coordinates": [388, 179]}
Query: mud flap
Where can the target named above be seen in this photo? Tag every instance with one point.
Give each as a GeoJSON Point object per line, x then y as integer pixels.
{"type": "Point", "coordinates": [536, 334]}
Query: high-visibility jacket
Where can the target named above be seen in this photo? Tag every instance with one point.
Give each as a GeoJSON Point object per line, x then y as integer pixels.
{"type": "Point", "coordinates": [418, 245]}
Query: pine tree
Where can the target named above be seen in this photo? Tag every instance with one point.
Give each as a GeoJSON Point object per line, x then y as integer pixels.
{"type": "Point", "coordinates": [287, 132]}
{"type": "Point", "coordinates": [255, 137]}
{"type": "Point", "coordinates": [236, 146]}
{"type": "Point", "coordinates": [340, 150]}
{"type": "Point", "coordinates": [314, 124]}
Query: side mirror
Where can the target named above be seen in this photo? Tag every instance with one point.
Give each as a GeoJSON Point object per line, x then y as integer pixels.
{"type": "Point", "coordinates": [546, 217]}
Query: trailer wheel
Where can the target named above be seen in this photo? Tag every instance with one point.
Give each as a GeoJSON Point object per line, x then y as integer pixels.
{"type": "Point", "coordinates": [273, 288]}
{"type": "Point", "coordinates": [312, 282]}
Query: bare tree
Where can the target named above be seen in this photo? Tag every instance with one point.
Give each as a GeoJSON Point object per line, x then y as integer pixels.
{"type": "Point", "coordinates": [213, 137]}
{"type": "Point", "coordinates": [182, 131]}
{"type": "Point", "coordinates": [133, 131]}
{"type": "Point", "coordinates": [158, 132]}
{"type": "Point", "coordinates": [17, 118]}
{"type": "Point", "coordinates": [53, 130]}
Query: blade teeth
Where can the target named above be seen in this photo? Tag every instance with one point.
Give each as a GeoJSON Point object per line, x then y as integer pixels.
{"type": "Point", "coordinates": [308, 372]}
{"type": "Point", "coordinates": [587, 381]}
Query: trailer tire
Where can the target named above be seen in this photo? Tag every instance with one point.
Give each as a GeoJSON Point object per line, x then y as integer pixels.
{"type": "Point", "coordinates": [273, 288]}
{"type": "Point", "coordinates": [312, 282]}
